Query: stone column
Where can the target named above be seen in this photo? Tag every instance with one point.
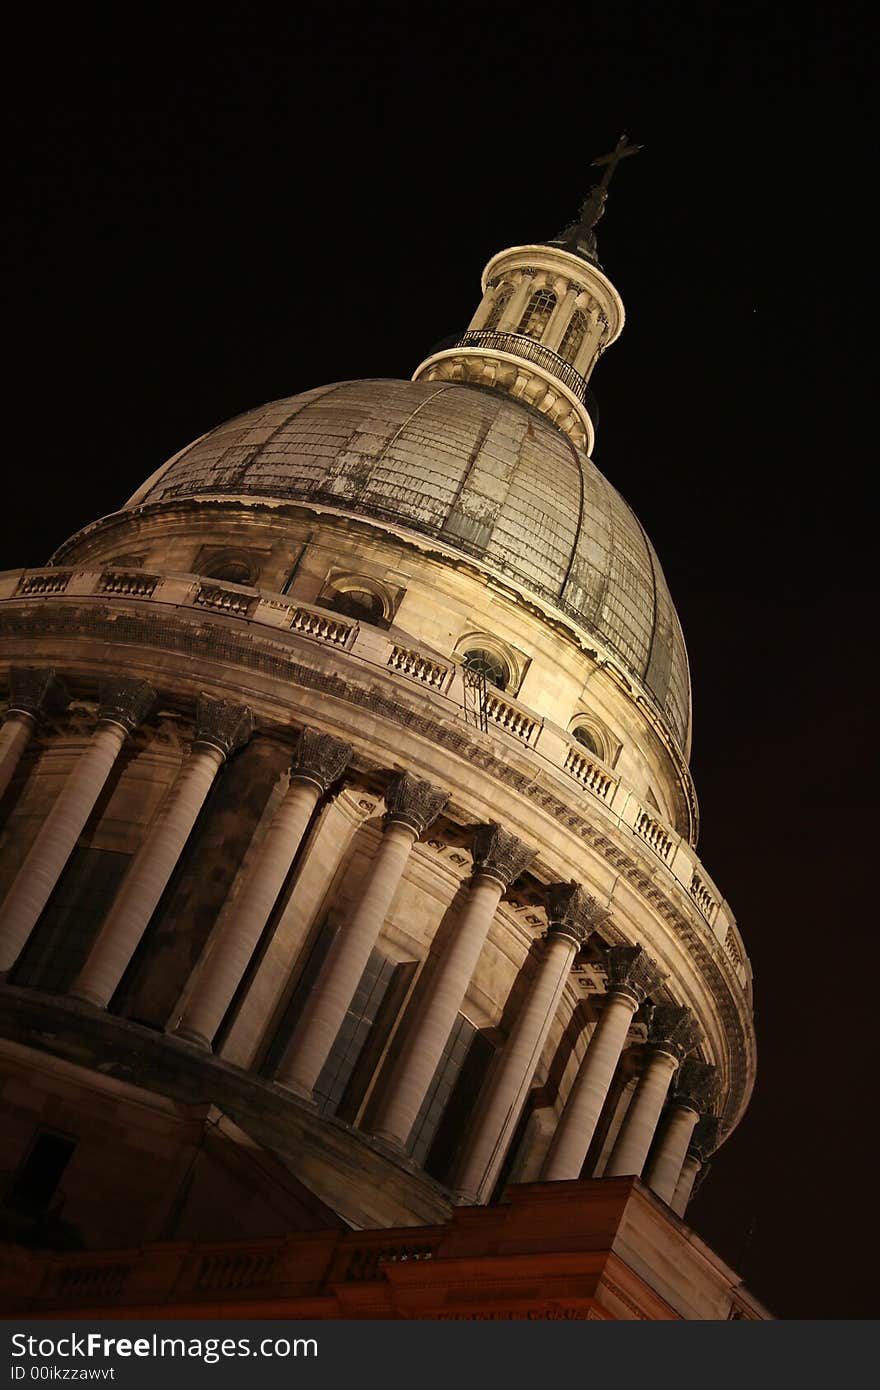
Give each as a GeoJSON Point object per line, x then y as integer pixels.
{"type": "Point", "coordinates": [692, 1091]}
{"type": "Point", "coordinates": [320, 760]}
{"type": "Point", "coordinates": [412, 804]}
{"type": "Point", "coordinates": [573, 915]}
{"type": "Point", "coordinates": [499, 859]}
{"type": "Point", "coordinates": [560, 319]}
{"type": "Point", "coordinates": [704, 1142]}
{"type": "Point", "coordinates": [513, 310]}
{"type": "Point", "coordinates": [671, 1035]}
{"type": "Point", "coordinates": [221, 726]}
{"type": "Point", "coordinates": [632, 975]}
{"type": "Point", "coordinates": [123, 704]}
{"type": "Point", "coordinates": [32, 694]}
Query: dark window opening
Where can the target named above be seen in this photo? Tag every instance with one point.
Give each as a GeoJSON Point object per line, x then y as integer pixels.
{"type": "Point", "coordinates": [361, 604]}
{"type": "Point", "coordinates": [58, 947]}
{"type": "Point", "coordinates": [450, 1098]}
{"type": "Point", "coordinates": [232, 571]}
{"type": "Point", "coordinates": [489, 665]}
{"type": "Point", "coordinates": [36, 1182]}
{"type": "Point", "coordinates": [583, 736]}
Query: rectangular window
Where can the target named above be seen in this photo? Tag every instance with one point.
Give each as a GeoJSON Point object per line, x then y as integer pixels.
{"type": "Point", "coordinates": [69, 924]}
{"type": "Point", "coordinates": [36, 1182]}
{"type": "Point", "coordinates": [450, 1097]}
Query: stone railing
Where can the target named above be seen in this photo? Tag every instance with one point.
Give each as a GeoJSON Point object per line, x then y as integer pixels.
{"type": "Point", "coordinates": [419, 668]}
{"type": "Point", "coordinates": [79, 1282]}
{"type": "Point", "coordinates": [44, 582]}
{"type": "Point", "coordinates": [591, 773]}
{"type": "Point", "coordinates": [364, 1262]}
{"type": "Point", "coordinates": [128, 585]}
{"type": "Point", "coordinates": [224, 600]}
{"type": "Point", "coordinates": [236, 1270]}
{"type": "Point", "coordinates": [318, 623]}
{"type": "Point", "coordinates": [587, 774]}
{"type": "Point", "coordinates": [656, 835]}
{"type": "Point", "coordinates": [509, 717]}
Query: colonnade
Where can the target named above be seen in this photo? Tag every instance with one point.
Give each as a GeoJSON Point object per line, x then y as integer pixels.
{"type": "Point", "coordinates": [668, 1144]}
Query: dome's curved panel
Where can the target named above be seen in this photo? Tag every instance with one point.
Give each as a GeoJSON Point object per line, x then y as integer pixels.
{"type": "Point", "coordinates": [481, 472]}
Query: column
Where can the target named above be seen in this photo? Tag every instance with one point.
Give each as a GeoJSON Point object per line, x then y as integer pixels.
{"type": "Point", "coordinates": [221, 726]}
{"type": "Point", "coordinates": [320, 759]}
{"type": "Point", "coordinates": [412, 804]}
{"type": "Point", "coordinates": [573, 915]}
{"type": "Point", "coordinates": [123, 705]}
{"type": "Point", "coordinates": [559, 319]}
{"type": "Point", "coordinates": [513, 310]}
{"type": "Point", "coordinates": [672, 1034]}
{"type": "Point", "coordinates": [632, 975]}
{"type": "Point", "coordinates": [499, 859]}
{"type": "Point", "coordinates": [32, 694]}
{"type": "Point", "coordinates": [692, 1091]}
{"type": "Point", "coordinates": [695, 1168]}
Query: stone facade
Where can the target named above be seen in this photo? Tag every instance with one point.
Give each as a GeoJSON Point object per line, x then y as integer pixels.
{"type": "Point", "coordinates": [402, 820]}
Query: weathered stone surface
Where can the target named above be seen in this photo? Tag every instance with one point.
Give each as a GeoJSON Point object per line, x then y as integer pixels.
{"type": "Point", "coordinates": [223, 724]}
{"type": "Point", "coordinates": [126, 702]}
{"type": "Point", "coordinates": [320, 758]}
{"type": "Point", "coordinates": [573, 912]}
{"type": "Point", "coordinates": [500, 855]}
{"type": "Point", "coordinates": [414, 802]}
{"type": "Point", "coordinates": [36, 691]}
{"type": "Point", "coordinates": [632, 971]}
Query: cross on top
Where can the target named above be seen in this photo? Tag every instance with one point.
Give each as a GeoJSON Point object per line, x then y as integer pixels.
{"type": "Point", "coordinates": [621, 151]}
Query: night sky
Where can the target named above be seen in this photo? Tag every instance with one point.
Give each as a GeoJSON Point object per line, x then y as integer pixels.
{"type": "Point", "coordinates": [203, 220]}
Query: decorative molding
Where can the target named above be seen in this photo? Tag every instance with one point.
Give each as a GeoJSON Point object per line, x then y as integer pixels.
{"type": "Point", "coordinates": [320, 758]}
{"type": "Point", "coordinates": [705, 1138]}
{"type": "Point", "coordinates": [126, 702]}
{"type": "Point", "coordinates": [695, 1085]}
{"type": "Point", "coordinates": [573, 912]}
{"type": "Point", "coordinates": [213, 642]}
{"type": "Point", "coordinates": [674, 1029]}
{"type": "Point", "coordinates": [223, 724]}
{"type": "Point", "coordinates": [500, 855]}
{"type": "Point", "coordinates": [413, 802]}
{"type": "Point", "coordinates": [36, 692]}
{"type": "Point", "coordinates": [631, 971]}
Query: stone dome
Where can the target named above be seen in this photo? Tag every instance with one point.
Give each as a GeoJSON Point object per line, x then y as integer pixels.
{"type": "Point", "coordinates": [481, 473]}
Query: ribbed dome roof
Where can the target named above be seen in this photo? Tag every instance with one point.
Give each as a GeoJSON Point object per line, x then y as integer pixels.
{"type": "Point", "coordinates": [483, 474]}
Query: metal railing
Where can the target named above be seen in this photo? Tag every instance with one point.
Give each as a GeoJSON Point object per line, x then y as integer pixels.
{"type": "Point", "coordinates": [520, 346]}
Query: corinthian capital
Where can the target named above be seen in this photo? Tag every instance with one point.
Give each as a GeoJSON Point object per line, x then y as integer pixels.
{"type": "Point", "coordinates": [413, 802]}
{"type": "Point", "coordinates": [573, 912]}
{"type": "Point", "coordinates": [706, 1137]}
{"type": "Point", "coordinates": [320, 758]}
{"type": "Point", "coordinates": [500, 855]}
{"type": "Point", "coordinates": [223, 724]}
{"type": "Point", "coordinates": [633, 972]}
{"type": "Point", "coordinates": [674, 1029]}
{"type": "Point", "coordinates": [695, 1085]}
{"type": "Point", "coordinates": [36, 692]}
{"type": "Point", "coordinates": [126, 702]}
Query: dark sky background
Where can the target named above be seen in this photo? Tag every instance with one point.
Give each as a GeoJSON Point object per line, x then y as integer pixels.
{"type": "Point", "coordinates": [200, 220]}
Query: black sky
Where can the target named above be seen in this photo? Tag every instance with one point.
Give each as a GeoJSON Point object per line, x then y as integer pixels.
{"type": "Point", "coordinates": [204, 218]}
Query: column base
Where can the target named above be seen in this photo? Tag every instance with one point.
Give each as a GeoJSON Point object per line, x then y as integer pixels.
{"type": "Point", "coordinates": [295, 1089]}
{"type": "Point", "coordinates": [391, 1141]}
{"type": "Point", "coordinates": [194, 1039]}
{"type": "Point", "coordinates": [85, 997]}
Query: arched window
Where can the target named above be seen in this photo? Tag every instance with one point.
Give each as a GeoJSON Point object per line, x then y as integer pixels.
{"type": "Point", "coordinates": [233, 566]}
{"type": "Point", "coordinates": [587, 739]}
{"type": "Point", "coordinates": [489, 665]}
{"type": "Point", "coordinates": [361, 604]}
{"type": "Point", "coordinates": [537, 314]}
{"type": "Point", "coordinates": [499, 304]}
{"type": "Point", "coordinates": [574, 336]}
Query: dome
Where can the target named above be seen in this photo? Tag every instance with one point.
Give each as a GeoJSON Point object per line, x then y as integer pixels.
{"type": "Point", "coordinates": [481, 473]}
